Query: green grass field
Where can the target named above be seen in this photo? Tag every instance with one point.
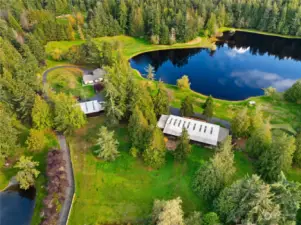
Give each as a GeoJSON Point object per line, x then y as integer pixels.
{"type": "Point", "coordinates": [124, 190]}
{"type": "Point", "coordinates": [69, 81]}
{"type": "Point", "coordinates": [224, 29]}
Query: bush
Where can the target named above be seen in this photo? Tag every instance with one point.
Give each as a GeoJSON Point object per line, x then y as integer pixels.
{"type": "Point", "coordinates": [134, 152]}
{"type": "Point", "coordinates": [183, 82]}
{"type": "Point", "coordinates": [293, 94]}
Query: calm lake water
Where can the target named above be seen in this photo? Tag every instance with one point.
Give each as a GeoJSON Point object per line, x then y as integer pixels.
{"type": "Point", "coordinates": [16, 206]}
{"type": "Point", "coordinates": [241, 66]}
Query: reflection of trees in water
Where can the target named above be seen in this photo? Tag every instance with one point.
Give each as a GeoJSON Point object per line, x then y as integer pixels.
{"type": "Point", "coordinates": [178, 58]}
{"type": "Point", "coordinates": [262, 44]}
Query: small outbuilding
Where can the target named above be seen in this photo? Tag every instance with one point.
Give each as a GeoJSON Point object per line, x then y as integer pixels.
{"type": "Point", "coordinates": [91, 107]}
{"type": "Point", "coordinates": [199, 131]}
{"type": "Point", "coordinates": [95, 77]}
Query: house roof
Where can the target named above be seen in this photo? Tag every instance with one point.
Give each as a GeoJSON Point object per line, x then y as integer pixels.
{"type": "Point", "coordinates": [96, 74]}
{"type": "Point", "coordinates": [91, 107]}
{"type": "Point", "coordinates": [198, 130]}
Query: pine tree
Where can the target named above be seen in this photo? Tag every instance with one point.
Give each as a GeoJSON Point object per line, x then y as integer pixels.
{"type": "Point", "coordinates": [248, 201]}
{"type": "Point", "coordinates": [187, 107]}
{"type": "Point", "coordinates": [107, 145]}
{"type": "Point", "coordinates": [150, 72]}
{"type": "Point", "coordinates": [183, 148]}
{"type": "Point", "coordinates": [208, 107]}
{"type": "Point", "coordinates": [154, 154]}
{"type": "Point", "coordinates": [122, 15]}
{"type": "Point", "coordinates": [161, 100]}
{"type": "Point", "coordinates": [297, 154]}
{"type": "Point", "coordinates": [214, 175]}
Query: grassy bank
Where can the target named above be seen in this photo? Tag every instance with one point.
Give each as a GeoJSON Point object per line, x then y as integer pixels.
{"type": "Point", "coordinates": [224, 29]}
{"type": "Point", "coordinates": [124, 190]}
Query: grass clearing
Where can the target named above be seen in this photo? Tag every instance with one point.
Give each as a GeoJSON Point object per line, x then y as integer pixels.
{"type": "Point", "coordinates": [69, 81]}
{"type": "Point", "coordinates": [224, 29]}
{"type": "Point", "coordinates": [124, 190]}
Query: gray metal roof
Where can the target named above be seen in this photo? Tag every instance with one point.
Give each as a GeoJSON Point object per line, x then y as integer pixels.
{"type": "Point", "coordinates": [96, 74]}
{"type": "Point", "coordinates": [199, 131]}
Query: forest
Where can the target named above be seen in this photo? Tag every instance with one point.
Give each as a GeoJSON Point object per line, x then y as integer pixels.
{"type": "Point", "coordinates": [31, 111]}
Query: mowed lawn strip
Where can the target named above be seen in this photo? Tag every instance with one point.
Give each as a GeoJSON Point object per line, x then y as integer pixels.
{"type": "Point", "coordinates": [124, 190]}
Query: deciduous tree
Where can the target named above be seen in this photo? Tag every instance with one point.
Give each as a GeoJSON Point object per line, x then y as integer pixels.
{"type": "Point", "coordinates": [35, 140]}
{"type": "Point", "coordinates": [68, 115]}
{"type": "Point", "coordinates": [241, 123]}
{"type": "Point", "coordinates": [27, 172]}
{"type": "Point", "coordinates": [297, 154]}
{"type": "Point", "coordinates": [41, 114]}
{"type": "Point", "coordinates": [168, 212]}
{"type": "Point", "coordinates": [183, 82]}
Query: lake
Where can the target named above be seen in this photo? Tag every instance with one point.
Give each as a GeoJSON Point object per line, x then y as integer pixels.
{"type": "Point", "coordinates": [16, 206]}
{"type": "Point", "coordinates": [241, 66]}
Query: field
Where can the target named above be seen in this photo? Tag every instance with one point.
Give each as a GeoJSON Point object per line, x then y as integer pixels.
{"type": "Point", "coordinates": [124, 190]}
{"type": "Point", "coordinates": [69, 81]}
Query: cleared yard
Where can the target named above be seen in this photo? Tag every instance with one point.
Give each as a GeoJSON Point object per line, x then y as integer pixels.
{"type": "Point", "coordinates": [69, 81]}
{"type": "Point", "coordinates": [124, 190]}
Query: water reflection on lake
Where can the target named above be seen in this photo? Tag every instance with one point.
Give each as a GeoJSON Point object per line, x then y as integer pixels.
{"type": "Point", "coordinates": [240, 67]}
{"type": "Point", "coordinates": [16, 206]}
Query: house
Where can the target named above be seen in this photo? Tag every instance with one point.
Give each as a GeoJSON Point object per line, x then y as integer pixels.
{"type": "Point", "coordinates": [199, 131]}
{"type": "Point", "coordinates": [91, 107]}
{"type": "Point", "coordinates": [95, 77]}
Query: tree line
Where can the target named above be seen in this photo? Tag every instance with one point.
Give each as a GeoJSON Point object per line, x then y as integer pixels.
{"type": "Point", "coordinates": [164, 22]}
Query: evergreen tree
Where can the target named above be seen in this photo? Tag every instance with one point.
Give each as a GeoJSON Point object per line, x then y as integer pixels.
{"type": "Point", "coordinates": [297, 154]}
{"type": "Point", "coordinates": [183, 148]}
{"type": "Point", "coordinates": [248, 201]}
{"type": "Point", "coordinates": [208, 107]}
{"type": "Point", "coordinates": [214, 175]}
{"type": "Point", "coordinates": [277, 158]}
{"type": "Point", "coordinates": [293, 94]}
{"type": "Point", "coordinates": [187, 107]}
{"type": "Point", "coordinates": [150, 72]}
{"type": "Point", "coordinates": [107, 145]}
{"type": "Point", "coordinates": [260, 141]}
{"type": "Point", "coordinates": [122, 15]}
{"type": "Point", "coordinates": [8, 135]}
{"type": "Point", "coordinates": [211, 25]}
{"type": "Point", "coordinates": [161, 100]}
{"type": "Point", "coordinates": [154, 154]}
{"type": "Point", "coordinates": [287, 196]}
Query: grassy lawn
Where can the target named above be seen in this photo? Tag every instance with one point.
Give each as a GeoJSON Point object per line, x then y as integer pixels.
{"type": "Point", "coordinates": [124, 190]}
{"type": "Point", "coordinates": [224, 29]}
{"type": "Point", "coordinates": [69, 81]}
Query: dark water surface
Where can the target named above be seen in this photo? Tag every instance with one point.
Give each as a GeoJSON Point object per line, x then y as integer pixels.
{"type": "Point", "coordinates": [16, 206]}
{"type": "Point", "coordinates": [241, 66]}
